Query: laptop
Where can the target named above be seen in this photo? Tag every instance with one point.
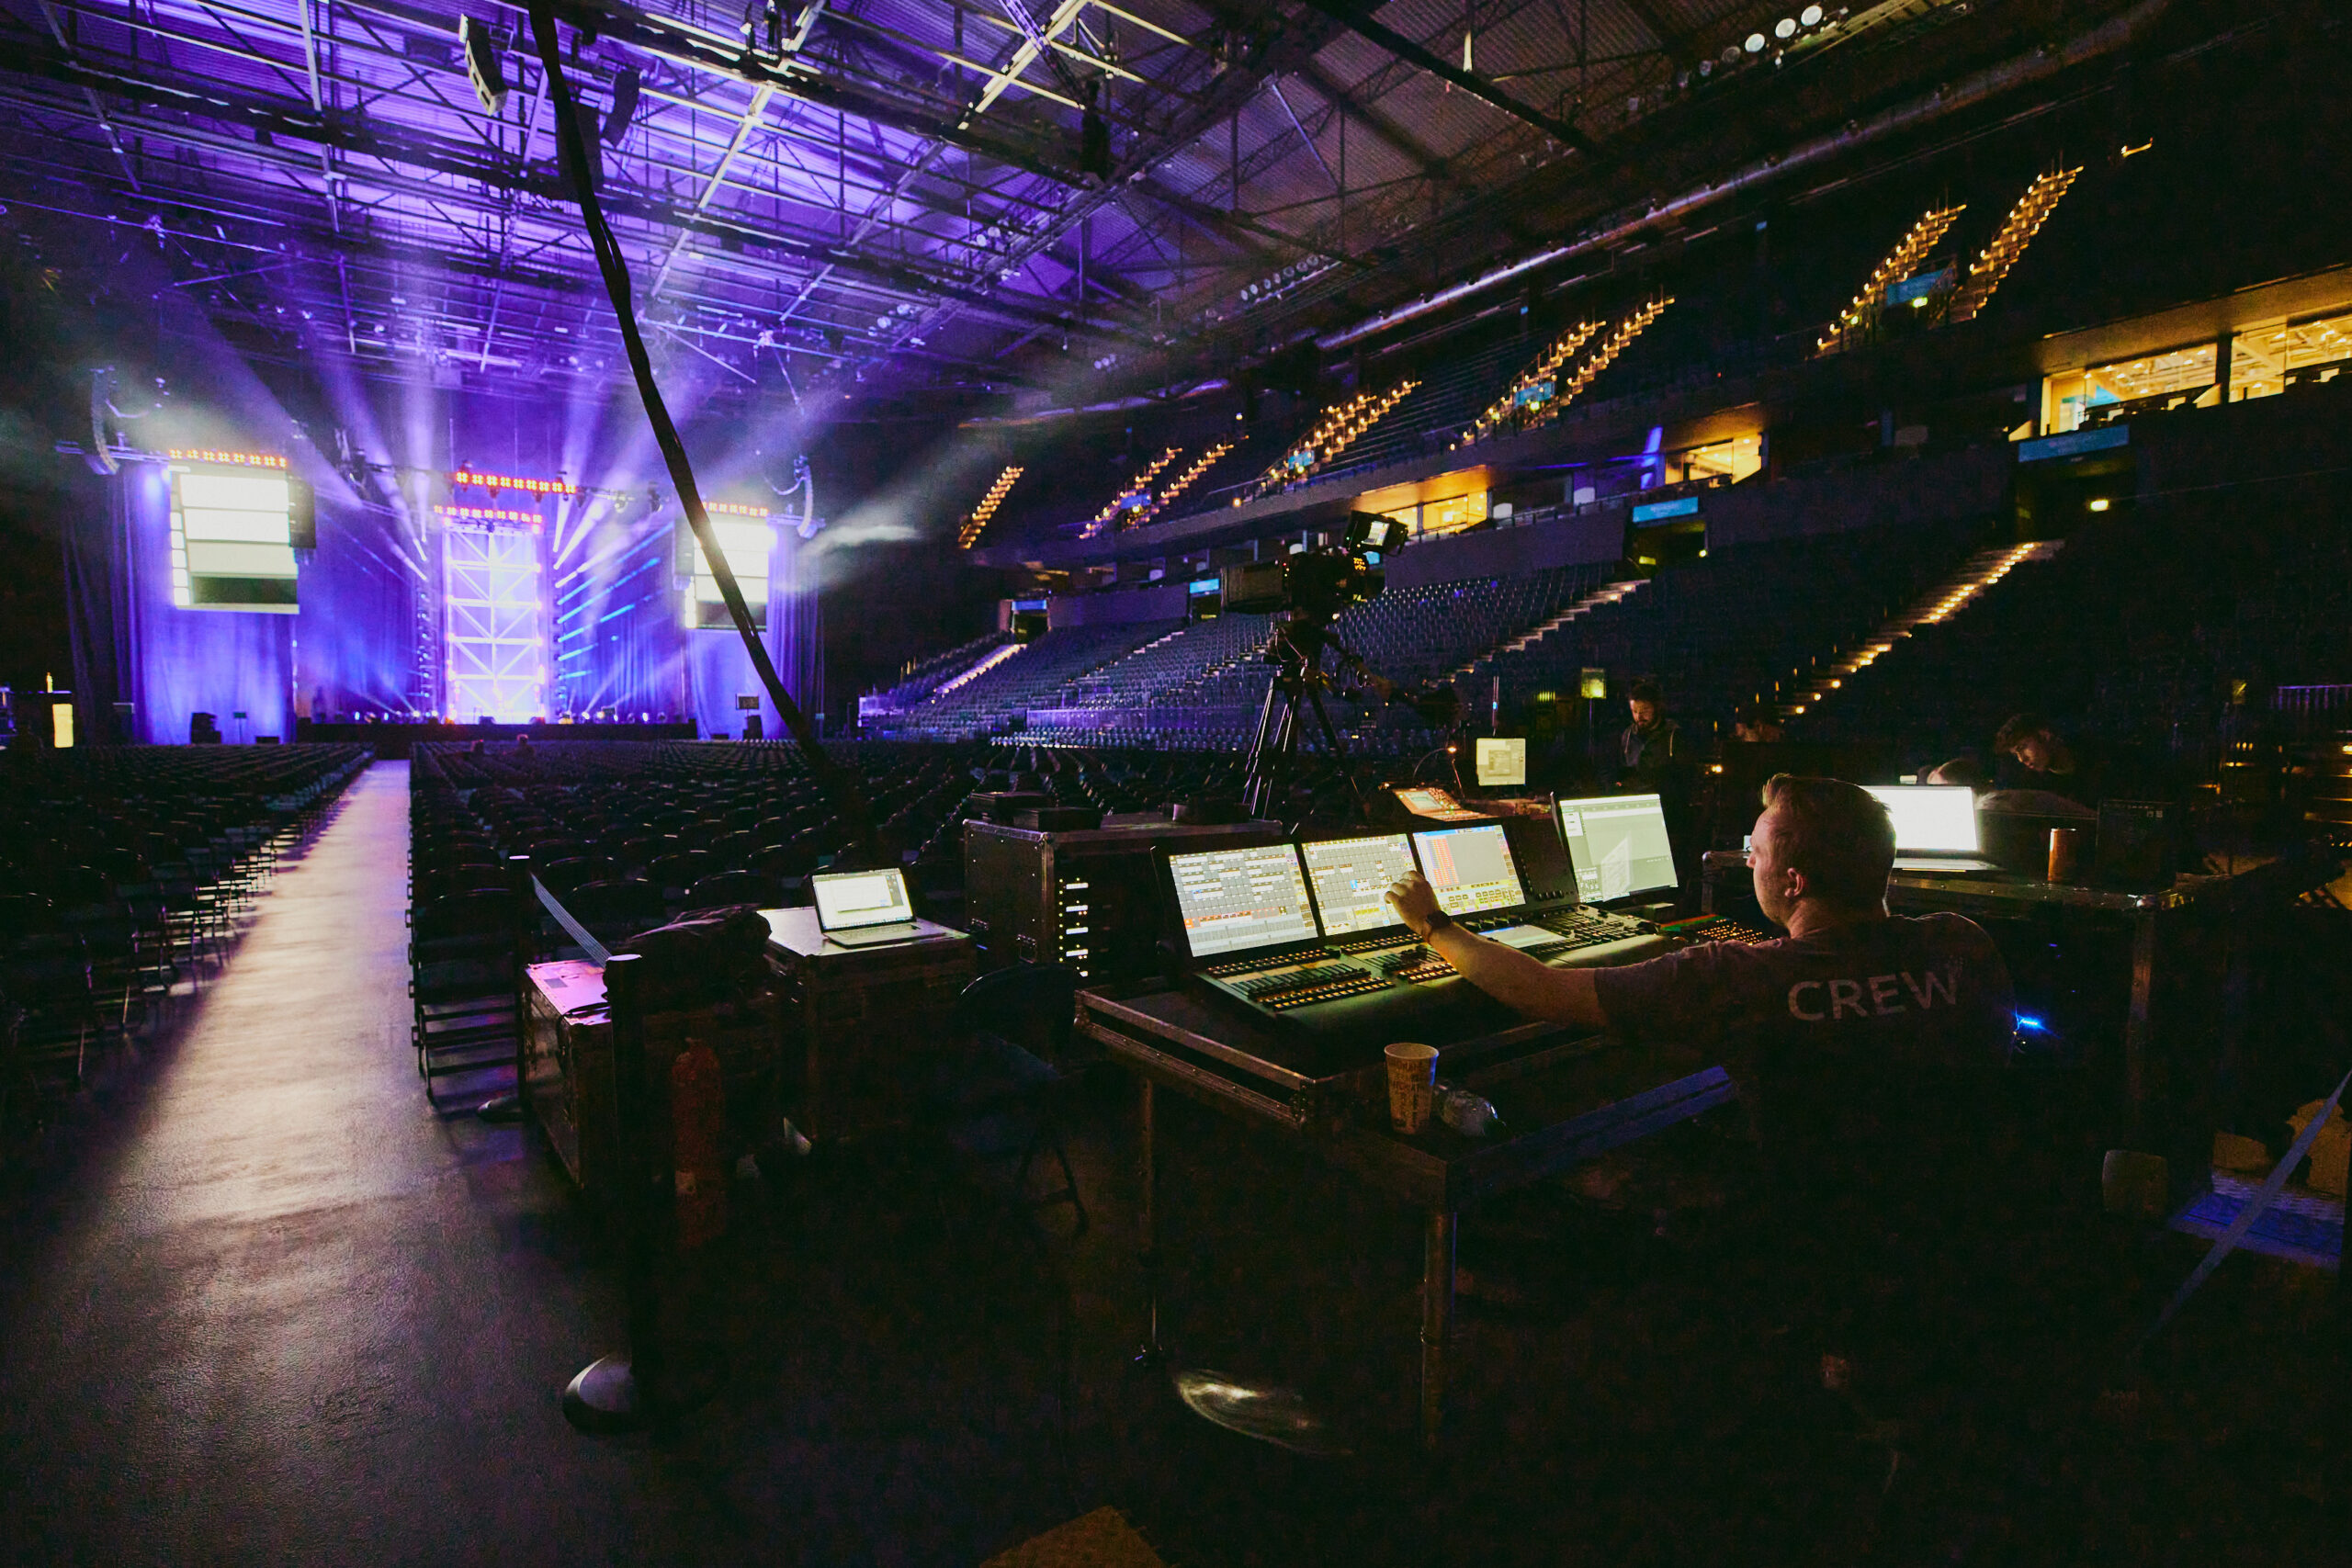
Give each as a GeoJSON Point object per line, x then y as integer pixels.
{"type": "Point", "coordinates": [1619, 846]}
{"type": "Point", "coordinates": [1935, 828]}
{"type": "Point", "coordinates": [866, 909]}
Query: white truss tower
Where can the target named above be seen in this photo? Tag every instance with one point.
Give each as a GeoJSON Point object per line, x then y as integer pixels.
{"type": "Point", "coordinates": [496, 637]}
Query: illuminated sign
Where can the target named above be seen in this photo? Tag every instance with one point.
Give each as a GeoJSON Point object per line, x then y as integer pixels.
{"type": "Point", "coordinates": [1686, 506]}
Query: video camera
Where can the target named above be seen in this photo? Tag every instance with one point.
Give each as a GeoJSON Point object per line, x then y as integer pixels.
{"type": "Point", "coordinates": [1318, 583]}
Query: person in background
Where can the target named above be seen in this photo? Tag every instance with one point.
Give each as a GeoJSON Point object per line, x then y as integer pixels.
{"type": "Point", "coordinates": [1755, 725]}
{"type": "Point", "coordinates": [1649, 751]}
{"type": "Point", "coordinates": [1655, 758]}
{"type": "Point", "coordinates": [2034, 756]}
{"type": "Point", "coordinates": [1957, 771]}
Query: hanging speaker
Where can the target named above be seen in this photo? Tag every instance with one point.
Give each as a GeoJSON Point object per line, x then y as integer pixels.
{"type": "Point", "coordinates": [481, 64]}
{"type": "Point", "coordinates": [301, 515]}
{"type": "Point", "coordinates": [627, 84]}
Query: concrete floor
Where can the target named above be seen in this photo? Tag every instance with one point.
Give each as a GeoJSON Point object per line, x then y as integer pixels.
{"type": "Point", "coordinates": [274, 1310]}
{"type": "Point", "coordinates": [285, 1309]}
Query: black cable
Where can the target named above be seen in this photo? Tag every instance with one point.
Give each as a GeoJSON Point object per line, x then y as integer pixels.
{"type": "Point", "coordinates": [839, 783]}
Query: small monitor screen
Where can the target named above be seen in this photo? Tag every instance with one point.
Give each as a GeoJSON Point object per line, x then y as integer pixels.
{"type": "Point", "coordinates": [1619, 845]}
{"type": "Point", "coordinates": [852, 899]}
{"type": "Point", "coordinates": [1931, 819]}
{"type": "Point", "coordinates": [1235, 899]}
{"type": "Point", "coordinates": [1471, 868]}
{"type": "Point", "coordinates": [1502, 760]}
{"type": "Point", "coordinates": [1431, 803]}
{"type": "Point", "coordinates": [1351, 878]}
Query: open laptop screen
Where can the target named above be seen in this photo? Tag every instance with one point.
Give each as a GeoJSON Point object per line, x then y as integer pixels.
{"type": "Point", "coordinates": [1619, 845]}
{"type": "Point", "coordinates": [1351, 878]}
{"type": "Point", "coordinates": [1232, 901]}
{"type": "Point", "coordinates": [848, 900]}
{"type": "Point", "coordinates": [1934, 819]}
{"type": "Point", "coordinates": [1470, 868]}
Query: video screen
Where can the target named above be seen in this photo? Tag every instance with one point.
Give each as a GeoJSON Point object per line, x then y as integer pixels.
{"type": "Point", "coordinates": [1471, 869]}
{"type": "Point", "coordinates": [1351, 878]}
{"type": "Point", "coordinates": [1931, 818]}
{"type": "Point", "coordinates": [1619, 845]}
{"type": "Point", "coordinates": [1502, 759]}
{"type": "Point", "coordinates": [860, 898]}
{"type": "Point", "coordinates": [1232, 901]}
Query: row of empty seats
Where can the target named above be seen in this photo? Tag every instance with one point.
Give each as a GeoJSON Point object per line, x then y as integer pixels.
{"type": "Point", "coordinates": [125, 874]}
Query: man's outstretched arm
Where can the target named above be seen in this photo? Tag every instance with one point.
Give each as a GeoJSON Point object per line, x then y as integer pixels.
{"type": "Point", "coordinates": [1510, 976]}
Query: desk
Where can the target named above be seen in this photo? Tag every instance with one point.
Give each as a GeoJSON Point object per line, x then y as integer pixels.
{"type": "Point", "coordinates": [1564, 1097]}
{"type": "Point", "coordinates": [2148, 914]}
{"type": "Point", "coordinates": [864, 1026]}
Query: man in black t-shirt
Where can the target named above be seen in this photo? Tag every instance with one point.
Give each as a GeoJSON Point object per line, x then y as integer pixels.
{"type": "Point", "coordinates": [1851, 993]}
{"type": "Point", "coordinates": [1868, 1048]}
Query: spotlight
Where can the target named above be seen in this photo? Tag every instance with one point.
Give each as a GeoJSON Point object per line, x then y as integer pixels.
{"type": "Point", "coordinates": [481, 64]}
{"type": "Point", "coordinates": [1810, 16]}
{"type": "Point", "coordinates": [1755, 43]}
{"type": "Point", "coordinates": [1786, 27]}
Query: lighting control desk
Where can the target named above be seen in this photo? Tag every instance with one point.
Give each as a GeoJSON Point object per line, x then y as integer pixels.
{"type": "Point", "coordinates": [1564, 1097]}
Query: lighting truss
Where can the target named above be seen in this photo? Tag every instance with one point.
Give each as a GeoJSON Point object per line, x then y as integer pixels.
{"type": "Point", "coordinates": [496, 623]}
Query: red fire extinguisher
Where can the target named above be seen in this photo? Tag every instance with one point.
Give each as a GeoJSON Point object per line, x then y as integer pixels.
{"type": "Point", "coordinates": [697, 1135]}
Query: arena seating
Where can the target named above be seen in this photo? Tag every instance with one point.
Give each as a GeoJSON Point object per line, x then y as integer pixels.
{"type": "Point", "coordinates": [927, 675]}
{"type": "Point", "coordinates": [126, 872]}
{"type": "Point", "coordinates": [1029, 678]}
{"type": "Point", "coordinates": [2131, 634]}
{"type": "Point", "coordinates": [1734, 626]}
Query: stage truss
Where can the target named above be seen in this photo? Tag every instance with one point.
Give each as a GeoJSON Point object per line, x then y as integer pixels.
{"type": "Point", "coordinates": [495, 616]}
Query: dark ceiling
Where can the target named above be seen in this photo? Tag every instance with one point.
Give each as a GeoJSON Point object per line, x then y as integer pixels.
{"type": "Point", "coordinates": [913, 194]}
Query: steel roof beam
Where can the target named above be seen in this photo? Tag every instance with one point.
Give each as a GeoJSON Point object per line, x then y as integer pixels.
{"type": "Point", "coordinates": [1358, 16]}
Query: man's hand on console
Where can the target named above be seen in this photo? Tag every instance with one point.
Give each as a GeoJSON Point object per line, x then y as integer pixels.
{"type": "Point", "coordinates": [1415, 902]}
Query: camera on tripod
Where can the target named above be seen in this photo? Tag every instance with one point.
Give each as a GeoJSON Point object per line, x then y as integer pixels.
{"type": "Point", "coordinates": [1316, 585]}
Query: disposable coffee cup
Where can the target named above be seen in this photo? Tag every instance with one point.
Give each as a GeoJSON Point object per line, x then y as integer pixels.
{"type": "Point", "coordinates": [1412, 1086]}
{"type": "Point", "coordinates": [2068, 849]}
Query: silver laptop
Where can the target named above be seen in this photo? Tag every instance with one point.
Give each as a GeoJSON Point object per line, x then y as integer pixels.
{"type": "Point", "coordinates": [866, 909]}
{"type": "Point", "coordinates": [1935, 828]}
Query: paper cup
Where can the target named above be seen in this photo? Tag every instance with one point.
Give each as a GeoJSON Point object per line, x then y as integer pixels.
{"type": "Point", "coordinates": [1412, 1086]}
{"type": "Point", "coordinates": [2069, 847]}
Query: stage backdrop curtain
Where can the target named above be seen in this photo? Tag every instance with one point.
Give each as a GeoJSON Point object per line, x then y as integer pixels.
{"type": "Point", "coordinates": [354, 642]}
{"type": "Point", "coordinates": [718, 669]}
{"type": "Point", "coordinates": [97, 603]}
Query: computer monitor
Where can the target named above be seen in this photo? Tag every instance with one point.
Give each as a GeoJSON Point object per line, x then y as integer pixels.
{"type": "Point", "coordinates": [1502, 759]}
{"type": "Point", "coordinates": [1931, 819]}
{"type": "Point", "coordinates": [1350, 879]}
{"type": "Point", "coordinates": [1232, 901]}
{"type": "Point", "coordinates": [1471, 868]}
{"type": "Point", "coordinates": [1619, 845]}
{"type": "Point", "coordinates": [848, 900]}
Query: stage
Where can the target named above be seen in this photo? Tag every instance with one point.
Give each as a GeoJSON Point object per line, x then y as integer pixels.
{"type": "Point", "coordinates": [394, 739]}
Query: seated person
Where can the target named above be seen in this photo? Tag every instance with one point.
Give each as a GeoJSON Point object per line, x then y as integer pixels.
{"type": "Point", "coordinates": [2034, 756]}
{"type": "Point", "coordinates": [1756, 725]}
{"type": "Point", "coordinates": [1957, 771]}
{"type": "Point", "coordinates": [1866, 1046]}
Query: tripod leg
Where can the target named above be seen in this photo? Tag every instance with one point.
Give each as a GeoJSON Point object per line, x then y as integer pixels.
{"type": "Point", "coordinates": [1340, 754]}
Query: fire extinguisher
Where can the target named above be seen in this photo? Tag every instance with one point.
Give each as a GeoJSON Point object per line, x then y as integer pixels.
{"type": "Point", "coordinates": [698, 1133]}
